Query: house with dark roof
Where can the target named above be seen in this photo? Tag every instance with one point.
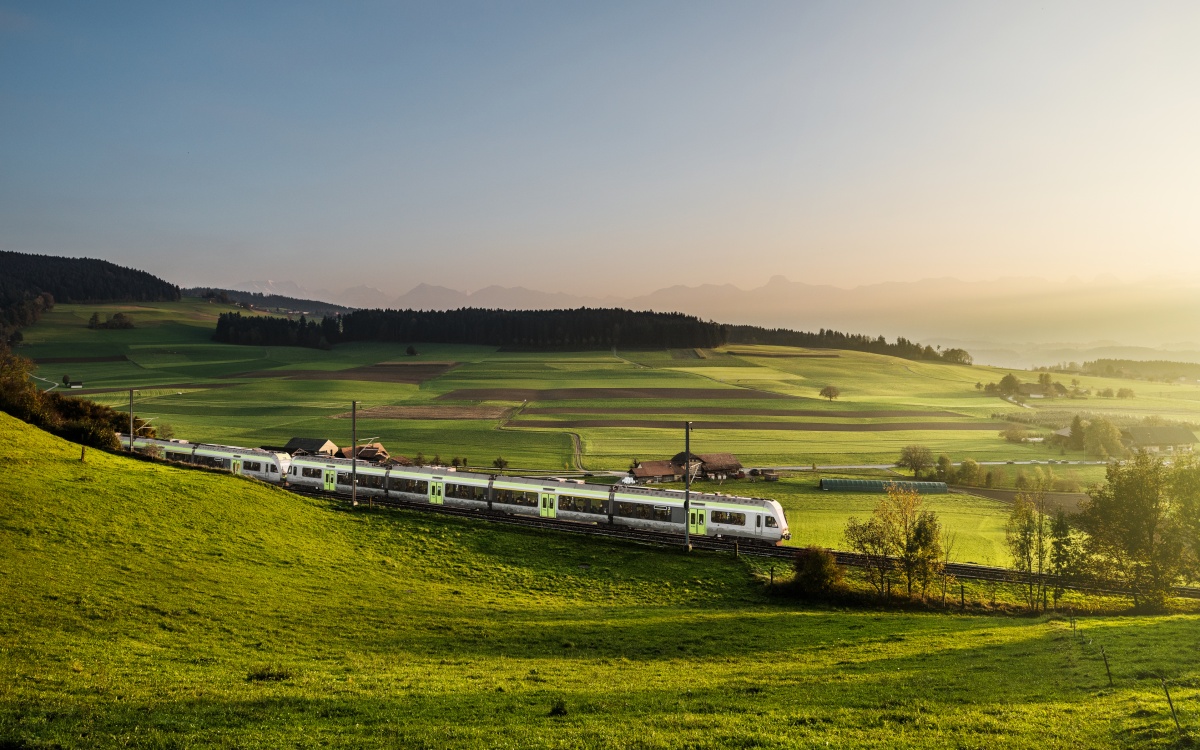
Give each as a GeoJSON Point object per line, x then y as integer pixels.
{"type": "Point", "coordinates": [1159, 438]}
{"type": "Point", "coordinates": [372, 452]}
{"type": "Point", "coordinates": [658, 471]}
{"type": "Point", "coordinates": [713, 465]}
{"type": "Point", "coordinates": [311, 447]}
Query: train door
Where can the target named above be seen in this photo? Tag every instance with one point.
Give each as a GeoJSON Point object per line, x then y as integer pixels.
{"type": "Point", "coordinates": [546, 508]}
{"type": "Point", "coordinates": [697, 521]}
{"type": "Point", "coordinates": [437, 493]}
{"type": "Point", "coordinates": [330, 480]}
{"type": "Point", "coordinates": [758, 524]}
{"type": "Point", "coordinates": [236, 466]}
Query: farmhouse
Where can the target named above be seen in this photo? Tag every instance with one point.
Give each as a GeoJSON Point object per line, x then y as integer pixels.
{"type": "Point", "coordinates": [372, 452]}
{"type": "Point", "coordinates": [660, 471]}
{"type": "Point", "coordinates": [1159, 439]}
{"type": "Point", "coordinates": [1037, 390]}
{"type": "Point", "coordinates": [311, 447]}
{"type": "Point", "coordinates": [713, 465]}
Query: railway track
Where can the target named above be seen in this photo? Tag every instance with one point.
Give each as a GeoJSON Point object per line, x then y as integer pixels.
{"type": "Point", "coordinates": [965, 571]}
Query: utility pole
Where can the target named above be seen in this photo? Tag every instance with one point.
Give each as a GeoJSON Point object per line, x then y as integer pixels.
{"type": "Point", "coordinates": [353, 453]}
{"type": "Point", "coordinates": [687, 486]}
{"type": "Point", "coordinates": [131, 420]}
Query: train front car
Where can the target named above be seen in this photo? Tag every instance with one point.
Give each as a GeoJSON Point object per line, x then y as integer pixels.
{"type": "Point", "coordinates": [251, 462]}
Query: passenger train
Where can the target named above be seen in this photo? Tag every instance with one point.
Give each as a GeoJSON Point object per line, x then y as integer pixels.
{"type": "Point", "coordinates": [709, 514]}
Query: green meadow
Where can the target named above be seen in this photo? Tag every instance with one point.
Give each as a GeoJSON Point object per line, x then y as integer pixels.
{"type": "Point", "coordinates": [150, 606]}
{"type": "Point", "coordinates": [758, 402]}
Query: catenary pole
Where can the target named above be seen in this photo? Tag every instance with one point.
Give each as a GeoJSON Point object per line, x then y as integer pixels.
{"type": "Point", "coordinates": [687, 486]}
{"type": "Point", "coordinates": [131, 420]}
{"type": "Point", "coordinates": [353, 453]}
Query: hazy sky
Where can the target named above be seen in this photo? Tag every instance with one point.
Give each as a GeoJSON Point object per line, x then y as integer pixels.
{"type": "Point", "coordinates": [623, 146]}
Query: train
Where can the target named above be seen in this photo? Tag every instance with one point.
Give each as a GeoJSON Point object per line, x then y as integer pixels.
{"type": "Point", "coordinates": [752, 519]}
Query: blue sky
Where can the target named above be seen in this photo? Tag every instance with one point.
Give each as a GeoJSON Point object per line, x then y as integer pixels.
{"type": "Point", "coordinates": [625, 146]}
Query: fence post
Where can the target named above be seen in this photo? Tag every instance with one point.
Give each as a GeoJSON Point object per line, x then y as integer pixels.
{"type": "Point", "coordinates": [1172, 705]}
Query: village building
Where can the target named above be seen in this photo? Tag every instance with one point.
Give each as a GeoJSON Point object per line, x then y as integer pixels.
{"type": "Point", "coordinates": [1159, 439]}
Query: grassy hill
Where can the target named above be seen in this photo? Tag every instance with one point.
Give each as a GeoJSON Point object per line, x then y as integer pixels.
{"type": "Point", "coordinates": [552, 410]}
{"type": "Point", "coordinates": [148, 606]}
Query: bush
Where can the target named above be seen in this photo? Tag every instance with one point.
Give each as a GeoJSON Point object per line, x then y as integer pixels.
{"type": "Point", "coordinates": [268, 673]}
{"type": "Point", "coordinates": [817, 572]}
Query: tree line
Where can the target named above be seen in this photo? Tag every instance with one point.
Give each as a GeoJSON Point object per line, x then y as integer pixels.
{"type": "Point", "coordinates": [830, 339]}
{"type": "Point", "coordinates": [542, 329]}
{"type": "Point", "coordinates": [1139, 531]}
{"type": "Point", "coordinates": [76, 419]}
{"type": "Point", "coordinates": [587, 328]}
{"type": "Point", "coordinates": [31, 284]}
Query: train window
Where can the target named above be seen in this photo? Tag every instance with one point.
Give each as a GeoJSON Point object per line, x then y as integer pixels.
{"type": "Point", "coordinates": [466, 492]}
{"type": "Point", "coordinates": [343, 478]}
{"type": "Point", "coordinates": [252, 466]}
{"type": "Point", "coordinates": [370, 481]}
{"type": "Point", "coordinates": [172, 456]}
{"type": "Point", "coordinates": [727, 518]}
{"type": "Point", "coordinates": [771, 524]}
{"type": "Point", "coordinates": [641, 510]}
{"type": "Point", "coordinates": [582, 504]}
{"type": "Point", "coordinates": [311, 473]}
{"type": "Point", "coordinates": [517, 497]}
{"type": "Point", "coordinates": [274, 470]}
{"type": "Point", "coordinates": [213, 461]}
{"type": "Point", "coordinates": [409, 486]}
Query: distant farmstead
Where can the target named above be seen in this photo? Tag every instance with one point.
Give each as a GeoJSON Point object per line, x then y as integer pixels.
{"type": "Point", "coordinates": [713, 465]}
{"type": "Point", "coordinates": [1159, 439]}
{"type": "Point", "coordinates": [701, 466]}
{"type": "Point", "coordinates": [658, 471]}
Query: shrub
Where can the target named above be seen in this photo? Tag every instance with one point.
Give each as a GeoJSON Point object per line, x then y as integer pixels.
{"type": "Point", "coordinates": [817, 572]}
{"type": "Point", "coordinates": [268, 673]}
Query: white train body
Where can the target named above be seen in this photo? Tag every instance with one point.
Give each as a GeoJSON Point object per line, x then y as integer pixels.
{"type": "Point", "coordinates": [252, 462]}
{"type": "Point", "coordinates": [709, 514]}
{"type": "Point", "coordinates": [636, 507]}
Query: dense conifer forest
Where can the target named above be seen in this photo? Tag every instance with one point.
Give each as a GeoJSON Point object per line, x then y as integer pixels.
{"type": "Point", "coordinates": [584, 328]}
{"type": "Point", "coordinates": [31, 284]}
{"type": "Point", "coordinates": [267, 302]}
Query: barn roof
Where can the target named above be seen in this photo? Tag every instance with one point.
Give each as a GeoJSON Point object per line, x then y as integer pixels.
{"type": "Point", "coordinates": [311, 446]}
{"type": "Point", "coordinates": [647, 469]}
{"type": "Point", "coordinates": [1154, 435]}
{"type": "Point", "coordinates": [712, 461]}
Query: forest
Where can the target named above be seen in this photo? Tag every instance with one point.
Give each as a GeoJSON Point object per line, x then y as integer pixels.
{"type": "Point", "coordinates": [32, 284]}
{"type": "Point", "coordinates": [583, 328]}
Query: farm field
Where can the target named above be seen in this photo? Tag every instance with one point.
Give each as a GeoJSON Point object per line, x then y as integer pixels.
{"type": "Point", "coordinates": [595, 410]}
{"type": "Point", "coordinates": [151, 606]}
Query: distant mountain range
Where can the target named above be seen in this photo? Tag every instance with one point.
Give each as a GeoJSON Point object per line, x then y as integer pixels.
{"type": "Point", "coordinates": [1017, 321]}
